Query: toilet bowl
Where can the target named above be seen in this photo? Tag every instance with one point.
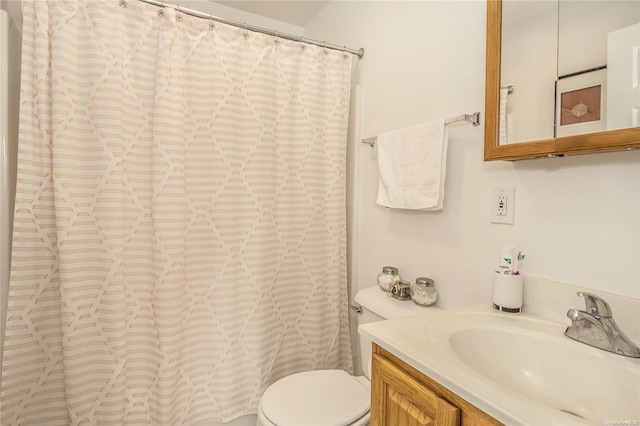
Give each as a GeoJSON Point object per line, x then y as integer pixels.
{"type": "Point", "coordinates": [332, 397]}
{"type": "Point", "coordinates": [316, 398]}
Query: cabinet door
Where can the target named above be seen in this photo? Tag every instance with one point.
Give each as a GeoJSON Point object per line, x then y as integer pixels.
{"type": "Point", "coordinates": [400, 400]}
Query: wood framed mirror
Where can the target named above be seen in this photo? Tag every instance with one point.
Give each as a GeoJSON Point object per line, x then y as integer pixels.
{"type": "Point", "coordinates": [600, 141]}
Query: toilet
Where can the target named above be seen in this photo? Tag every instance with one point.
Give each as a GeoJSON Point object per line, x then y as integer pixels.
{"type": "Point", "coordinates": [332, 397]}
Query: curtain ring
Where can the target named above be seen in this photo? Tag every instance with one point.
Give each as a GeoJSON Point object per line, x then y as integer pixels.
{"type": "Point", "coordinates": [161, 10]}
{"type": "Point", "coordinates": [212, 25]}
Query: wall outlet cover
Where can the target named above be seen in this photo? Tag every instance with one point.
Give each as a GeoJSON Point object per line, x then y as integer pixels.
{"type": "Point", "coordinates": [503, 201]}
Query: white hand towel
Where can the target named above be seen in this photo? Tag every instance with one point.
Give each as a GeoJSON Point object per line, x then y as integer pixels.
{"type": "Point", "coordinates": [412, 167]}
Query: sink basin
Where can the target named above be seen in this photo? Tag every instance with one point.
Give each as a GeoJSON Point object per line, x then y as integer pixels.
{"type": "Point", "coordinates": [531, 360]}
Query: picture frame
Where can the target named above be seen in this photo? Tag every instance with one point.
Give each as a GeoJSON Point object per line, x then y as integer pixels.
{"type": "Point", "coordinates": [581, 103]}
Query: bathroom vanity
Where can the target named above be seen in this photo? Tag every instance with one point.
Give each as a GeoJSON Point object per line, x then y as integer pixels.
{"type": "Point", "coordinates": [478, 366]}
{"type": "Point", "coordinates": [403, 396]}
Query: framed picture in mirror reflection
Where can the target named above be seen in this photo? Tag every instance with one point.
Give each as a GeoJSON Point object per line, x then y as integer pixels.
{"type": "Point", "coordinates": [581, 103]}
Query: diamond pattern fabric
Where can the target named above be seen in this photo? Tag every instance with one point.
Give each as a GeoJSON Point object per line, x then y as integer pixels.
{"type": "Point", "coordinates": [180, 237]}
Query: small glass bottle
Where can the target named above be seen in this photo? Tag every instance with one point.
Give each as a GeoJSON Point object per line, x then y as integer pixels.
{"type": "Point", "coordinates": [388, 276]}
{"type": "Point", "coordinates": [400, 290]}
{"type": "Point", "coordinates": [424, 292]}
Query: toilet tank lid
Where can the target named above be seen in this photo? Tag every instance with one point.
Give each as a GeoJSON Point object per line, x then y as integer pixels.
{"type": "Point", "coordinates": [377, 301]}
{"type": "Point", "coordinates": [316, 398]}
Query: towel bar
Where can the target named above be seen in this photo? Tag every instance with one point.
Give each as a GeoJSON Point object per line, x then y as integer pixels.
{"type": "Point", "coordinates": [471, 118]}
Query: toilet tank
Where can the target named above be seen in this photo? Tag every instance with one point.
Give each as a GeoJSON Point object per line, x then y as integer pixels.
{"type": "Point", "coordinates": [378, 306]}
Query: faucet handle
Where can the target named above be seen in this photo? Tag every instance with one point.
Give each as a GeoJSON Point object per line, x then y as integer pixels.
{"type": "Point", "coordinates": [595, 305]}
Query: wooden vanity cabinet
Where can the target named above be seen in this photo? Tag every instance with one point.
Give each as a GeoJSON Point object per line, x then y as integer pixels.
{"type": "Point", "coordinates": [403, 396]}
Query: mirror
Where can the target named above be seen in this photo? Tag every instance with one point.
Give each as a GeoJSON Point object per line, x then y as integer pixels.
{"type": "Point", "coordinates": [581, 111]}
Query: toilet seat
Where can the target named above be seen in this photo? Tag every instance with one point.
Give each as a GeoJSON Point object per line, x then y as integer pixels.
{"type": "Point", "coordinates": [316, 398]}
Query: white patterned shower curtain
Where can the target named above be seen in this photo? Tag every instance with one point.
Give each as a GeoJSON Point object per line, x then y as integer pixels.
{"type": "Point", "coordinates": [180, 217]}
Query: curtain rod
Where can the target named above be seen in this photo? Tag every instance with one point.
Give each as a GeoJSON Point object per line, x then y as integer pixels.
{"type": "Point", "coordinates": [359, 52]}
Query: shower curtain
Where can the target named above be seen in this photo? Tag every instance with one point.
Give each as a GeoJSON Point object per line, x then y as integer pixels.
{"type": "Point", "coordinates": [180, 234]}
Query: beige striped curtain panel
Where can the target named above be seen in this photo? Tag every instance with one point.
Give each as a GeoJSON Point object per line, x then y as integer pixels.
{"type": "Point", "coordinates": [180, 226]}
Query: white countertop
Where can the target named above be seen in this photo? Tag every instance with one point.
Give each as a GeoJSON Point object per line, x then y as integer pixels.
{"type": "Point", "coordinates": [407, 338]}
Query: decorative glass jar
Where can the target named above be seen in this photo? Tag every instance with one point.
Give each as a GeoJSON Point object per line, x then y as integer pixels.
{"type": "Point", "coordinates": [388, 276]}
{"type": "Point", "coordinates": [424, 292]}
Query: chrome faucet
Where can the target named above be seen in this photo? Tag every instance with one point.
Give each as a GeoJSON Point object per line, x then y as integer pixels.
{"type": "Point", "coordinates": [595, 326]}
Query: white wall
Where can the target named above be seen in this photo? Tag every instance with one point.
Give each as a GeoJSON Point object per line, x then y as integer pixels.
{"type": "Point", "coordinates": [217, 9]}
{"type": "Point", "coordinates": [577, 218]}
